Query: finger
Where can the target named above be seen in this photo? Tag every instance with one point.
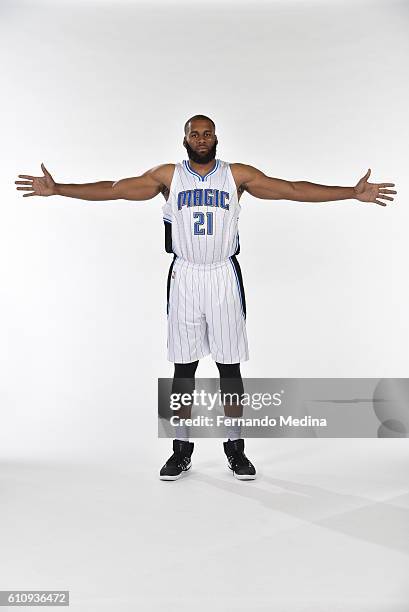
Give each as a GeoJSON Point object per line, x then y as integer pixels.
{"type": "Point", "coordinates": [385, 184]}
{"type": "Point", "coordinates": [377, 201]}
{"type": "Point", "coordinates": [23, 182]}
{"type": "Point", "coordinates": [387, 191]}
{"type": "Point", "coordinates": [385, 197]}
{"type": "Point", "coordinates": [44, 169]}
{"type": "Point", "coordinates": [25, 195]}
{"type": "Point", "coordinates": [27, 176]}
{"type": "Point", "coordinates": [24, 188]}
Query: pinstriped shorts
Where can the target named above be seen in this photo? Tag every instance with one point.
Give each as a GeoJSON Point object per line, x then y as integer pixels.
{"type": "Point", "coordinates": [206, 312]}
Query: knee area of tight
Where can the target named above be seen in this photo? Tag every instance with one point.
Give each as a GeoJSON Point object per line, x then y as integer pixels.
{"type": "Point", "coordinates": [184, 378]}
{"type": "Point", "coordinates": [230, 378]}
{"type": "Point", "coordinates": [229, 370]}
{"type": "Point", "coordinates": [185, 370]}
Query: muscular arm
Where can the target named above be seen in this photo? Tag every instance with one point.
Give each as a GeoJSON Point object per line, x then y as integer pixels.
{"type": "Point", "coordinates": [143, 187]}
{"type": "Point", "coordinates": [266, 187]}
{"type": "Point", "coordinates": [147, 186]}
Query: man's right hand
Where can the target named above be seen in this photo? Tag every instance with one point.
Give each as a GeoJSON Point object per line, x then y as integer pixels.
{"type": "Point", "coordinates": [37, 185]}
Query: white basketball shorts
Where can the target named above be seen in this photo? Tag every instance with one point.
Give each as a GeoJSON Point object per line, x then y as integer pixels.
{"type": "Point", "coordinates": [206, 312]}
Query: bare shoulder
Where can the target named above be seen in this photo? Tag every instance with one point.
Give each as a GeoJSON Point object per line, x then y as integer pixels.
{"type": "Point", "coordinates": [161, 174]}
{"type": "Point", "coordinates": [243, 173]}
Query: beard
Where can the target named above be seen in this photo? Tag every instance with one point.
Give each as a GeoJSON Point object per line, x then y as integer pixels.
{"type": "Point", "coordinates": [203, 158]}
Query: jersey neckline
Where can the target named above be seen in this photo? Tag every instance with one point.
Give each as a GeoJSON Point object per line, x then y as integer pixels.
{"type": "Point", "coordinates": [188, 167]}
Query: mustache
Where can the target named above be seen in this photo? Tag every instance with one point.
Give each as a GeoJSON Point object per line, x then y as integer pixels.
{"type": "Point", "coordinates": [201, 159]}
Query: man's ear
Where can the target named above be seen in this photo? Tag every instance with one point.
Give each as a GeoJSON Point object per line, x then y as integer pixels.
{"type": "Point", "coordinates": [184, 142]}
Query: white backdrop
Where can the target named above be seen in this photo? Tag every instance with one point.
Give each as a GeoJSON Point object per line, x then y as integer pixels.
{"type": "Point", "coordinates": [101, 91]}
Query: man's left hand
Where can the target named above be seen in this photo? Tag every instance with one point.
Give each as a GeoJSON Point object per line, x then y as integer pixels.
{"type": "Point", "coordinates": [373, 192]}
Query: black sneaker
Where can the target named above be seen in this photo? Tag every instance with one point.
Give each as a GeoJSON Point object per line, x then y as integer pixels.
{"type": "Point", "coordinates": [242, 468]}
{"type": "Point", "coordinates": [179, 462]}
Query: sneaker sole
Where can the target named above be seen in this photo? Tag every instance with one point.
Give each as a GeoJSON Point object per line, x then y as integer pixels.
{"type": "Point", "coordinates": [175, 477]}
{"type": "Point", "coordinates": [245, 476]}
{"type": "Point", "coordinates": [242, 476]}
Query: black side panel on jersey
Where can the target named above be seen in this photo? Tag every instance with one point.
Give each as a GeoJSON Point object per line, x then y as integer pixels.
{"type": "Point", "coordinates": [168, 237]}
{"type": "Point", "coordinates": [168, 286]}
{"type": "Point", "coordinates": [240, 279]}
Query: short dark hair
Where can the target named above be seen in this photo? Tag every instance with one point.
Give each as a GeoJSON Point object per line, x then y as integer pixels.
{"type": "Point", "coordinates": [199, 117]}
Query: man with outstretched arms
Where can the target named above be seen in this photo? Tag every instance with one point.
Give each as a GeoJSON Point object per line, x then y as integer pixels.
{"type": "Point", "coordinates": [206, 302]}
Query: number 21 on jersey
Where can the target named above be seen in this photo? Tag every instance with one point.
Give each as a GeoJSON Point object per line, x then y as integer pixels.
{"type": "Point", "coordinates": [203, 225]}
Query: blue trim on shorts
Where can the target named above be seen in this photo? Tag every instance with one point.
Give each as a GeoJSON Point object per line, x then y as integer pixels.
{"type": "Point", "coordinates": [239, 287]}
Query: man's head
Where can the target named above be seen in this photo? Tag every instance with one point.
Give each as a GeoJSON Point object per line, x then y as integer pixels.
{"type": "Point", "coordinates": [200, 139]}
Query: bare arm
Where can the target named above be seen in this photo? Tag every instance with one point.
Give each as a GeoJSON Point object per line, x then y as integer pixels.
{"type": "Point", "coordinates": [143, 187]}
{"type": "Point", "coordinates": [265, 187]}
{"type": "Point", "coordinates": [101, 190]}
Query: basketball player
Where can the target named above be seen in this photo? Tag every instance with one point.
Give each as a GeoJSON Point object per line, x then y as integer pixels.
{"type": "Point", "coordinates": [205, 294]}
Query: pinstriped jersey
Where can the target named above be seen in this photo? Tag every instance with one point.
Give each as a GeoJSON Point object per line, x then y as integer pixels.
{"type": "Point", "coordinates": [203, 213]}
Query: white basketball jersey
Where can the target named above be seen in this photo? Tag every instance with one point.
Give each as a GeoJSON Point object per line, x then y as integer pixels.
{"type": "Point", "coordinates": [204, 213]}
